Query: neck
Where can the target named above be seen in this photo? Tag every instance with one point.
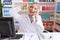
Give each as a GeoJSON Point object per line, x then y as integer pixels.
{"type": "Point", "coordinates": [30, 14]}
{"type": "Point", "coordinates": [35, 17]}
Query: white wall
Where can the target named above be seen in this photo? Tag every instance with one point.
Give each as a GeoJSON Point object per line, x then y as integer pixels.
{"type": "Point", "coordinates": [17, 0]}
{"type": "Point", "coordinates": [57, 0]}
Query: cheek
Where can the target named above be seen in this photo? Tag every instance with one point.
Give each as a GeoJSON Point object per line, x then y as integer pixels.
{"type": "Point", "coordinates": [30, 9]}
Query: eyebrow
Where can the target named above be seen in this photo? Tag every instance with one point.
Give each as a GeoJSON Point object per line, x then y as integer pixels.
{"type": "Point", "coordinates": [31, 6]}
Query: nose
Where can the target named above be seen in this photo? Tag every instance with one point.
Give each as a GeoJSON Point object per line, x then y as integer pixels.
{"type": "Point", "coordinates": [33, 9]}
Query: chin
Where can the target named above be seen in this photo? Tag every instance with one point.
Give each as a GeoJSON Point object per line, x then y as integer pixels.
{"type": "Point", "coordinates": [31, 14]}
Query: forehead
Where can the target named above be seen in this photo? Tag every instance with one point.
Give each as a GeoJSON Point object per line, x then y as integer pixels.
{"type": "Point", "coordinates": [33, 5]}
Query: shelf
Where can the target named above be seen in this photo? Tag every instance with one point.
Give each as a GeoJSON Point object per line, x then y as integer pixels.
{"type": "Point", "coordinates": [57, 20]}
{"type": "Point", "coordinates": [47, 11]}
{"type": "Point", "coordinates": [47, 2]}
{"type": "Point", "coordinates": [37, 2]}
{"type": "Point", "coordinates": [48, 21]}
{"type": "Point", "coordinates": [57, 16]}
{"type": "Point", "coordinates": [41, 11]}
{"type": "Point", "coordinates": [8, 5]}
{"type": "Point", "coordinates": [57, 26]}
{"type": "Point", "coordinates": [58, 2]}
{"type": "Point", "coordinates": [58, 12]}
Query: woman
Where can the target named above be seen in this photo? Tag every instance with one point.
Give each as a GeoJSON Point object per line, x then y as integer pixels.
{"type": "Point", "coordinates": [30, 22]}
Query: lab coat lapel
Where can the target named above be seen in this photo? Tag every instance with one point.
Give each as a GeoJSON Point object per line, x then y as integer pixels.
{"type": "Point", "coordinates": [28, 27]}
{"type": "Point", "coordinates": [31, 27]}
{"type": "Point", "coordinates": [28, 19]}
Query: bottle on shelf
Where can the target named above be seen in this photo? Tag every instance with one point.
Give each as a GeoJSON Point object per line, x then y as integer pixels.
{"type": "Point", "coordinates": [25, 0]}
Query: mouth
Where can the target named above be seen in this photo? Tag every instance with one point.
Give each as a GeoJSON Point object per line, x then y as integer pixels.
{"type": "Point", "coordinates": [34, 12]}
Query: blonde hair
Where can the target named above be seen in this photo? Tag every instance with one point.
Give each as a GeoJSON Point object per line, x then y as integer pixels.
{"type": "Point", "coordinates": [31, 4]}
{"type": "Point", "coordinates": [34, 3]}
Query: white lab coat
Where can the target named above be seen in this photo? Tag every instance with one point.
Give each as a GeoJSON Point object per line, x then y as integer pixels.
{"type": "Point", "coordinates": [25, 24]}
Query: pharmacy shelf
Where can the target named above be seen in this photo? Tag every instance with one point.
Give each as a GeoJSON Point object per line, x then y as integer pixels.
{"type": "Point", "coordinates": [48, 2]}
{"type": "Point", "coordinates": [48, 21]}
{"type": "Point", "coordinates": [57, 17]}
{"type": "Point", "coordinates": [47, 11]}
{"type": "Point", "coordinates": [8, 5]}
{"type": "Point", "coordinates": [57, 27]}
{"type": "Point", "coordinates": [37, 2]}
{"type": "Point", "coordinates": [40, 3]}
{"type": "Point", "coordinates": [57, 20]}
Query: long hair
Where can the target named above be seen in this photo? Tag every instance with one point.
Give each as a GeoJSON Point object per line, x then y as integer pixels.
{"type": "Point", "coordinates": [34, 3]}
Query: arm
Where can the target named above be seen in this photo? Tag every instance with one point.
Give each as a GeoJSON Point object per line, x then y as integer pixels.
{"type": "Point", "coordinates": [14, 13]}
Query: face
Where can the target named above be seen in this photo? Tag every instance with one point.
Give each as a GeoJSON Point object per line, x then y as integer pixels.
{"type": "Point", "coordinates": [33, 9]}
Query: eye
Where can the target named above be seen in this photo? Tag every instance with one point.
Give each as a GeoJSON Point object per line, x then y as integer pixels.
{"type": "Point", "coordinates": [35, 8]}
{"type": "Point", "coordinates": [31, 6]}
